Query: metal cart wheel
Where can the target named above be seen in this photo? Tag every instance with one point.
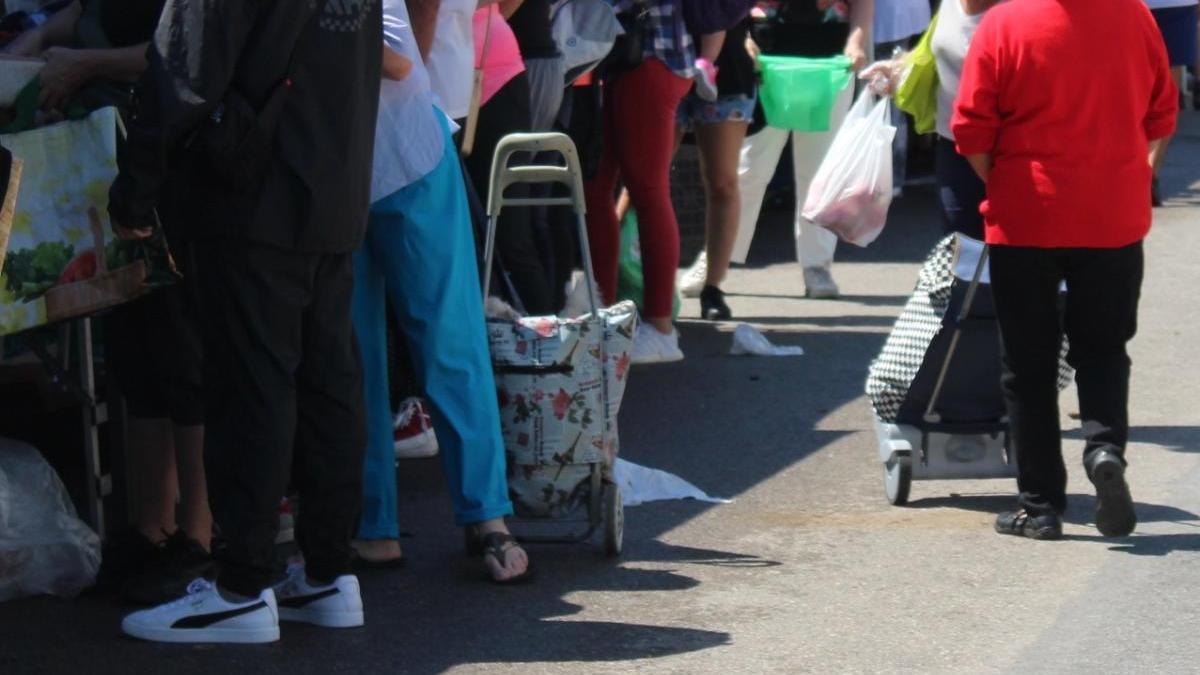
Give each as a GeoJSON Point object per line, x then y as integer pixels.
{"type": "Point", "coordinates": [614, 521]}
{"type": "Point", "coordinates": [897, 479]}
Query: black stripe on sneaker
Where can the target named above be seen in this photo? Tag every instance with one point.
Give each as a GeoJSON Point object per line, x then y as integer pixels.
{"type": "Point", "coordinates": [305, 600]}
{"type": "Point", "coordinates": [206, 620]}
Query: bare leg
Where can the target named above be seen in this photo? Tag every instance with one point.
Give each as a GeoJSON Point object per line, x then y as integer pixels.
{"type": "Point", "coordinates": [622, 204]}
{"type": "Point", "coordinates": [195, 516]}
{"type": "Point", "coordinates": [153, 477]}
{"type": "Point", "coordinates": [378, 550]}
{"type": "Point", "coordinates": [720, 148]}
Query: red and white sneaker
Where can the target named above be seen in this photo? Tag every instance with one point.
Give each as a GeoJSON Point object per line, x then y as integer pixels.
{"type": "Point", "coordinates": [414, 431]}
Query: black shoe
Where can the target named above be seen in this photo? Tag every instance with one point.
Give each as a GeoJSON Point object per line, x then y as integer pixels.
{"type": "Point", "coordinates": [1023, 524]}
{"type": "Point", "coordinates": [126, 555]}
{"type": "Point", "coordinates": [1156, 199]}
{"type": "Point", "coordinates": [185, 560]}
{"type": "Point", "coordinates": [712, 305]}
{"type": "Point", "coordinates": [1115, 516]}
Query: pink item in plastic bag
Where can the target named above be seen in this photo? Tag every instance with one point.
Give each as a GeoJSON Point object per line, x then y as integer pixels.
{"type": "Point", "coordinates": [852, 189]}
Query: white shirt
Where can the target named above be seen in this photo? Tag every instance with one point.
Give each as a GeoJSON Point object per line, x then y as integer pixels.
{"type": "Point", "coordinates": [451, 60]}
{"type": "Point", "coordinates": [953, 34]}
{"type": "Point", "coordinates": [409, 141]}
{"type": "Point", "coordinates": [899, 20]}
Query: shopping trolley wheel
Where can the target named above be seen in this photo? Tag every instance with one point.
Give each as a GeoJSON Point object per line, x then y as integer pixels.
{"type": "Point", "coordinates": [897, 479]}
{"type": "Point", "coordinates": [614, 521]}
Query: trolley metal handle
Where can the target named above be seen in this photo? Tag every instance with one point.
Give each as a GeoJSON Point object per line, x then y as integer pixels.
{"type": "Point", "coordinates": [930, 415]}
{"type": "Point", "coordinates": [569, 174]}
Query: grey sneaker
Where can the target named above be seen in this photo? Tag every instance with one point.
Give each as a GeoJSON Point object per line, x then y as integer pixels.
{"type": "Point", "coordinates": [819, 284]}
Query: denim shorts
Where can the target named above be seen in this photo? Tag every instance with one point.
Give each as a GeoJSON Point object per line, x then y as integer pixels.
{"type": "Point", "coordinates": [693, 110]}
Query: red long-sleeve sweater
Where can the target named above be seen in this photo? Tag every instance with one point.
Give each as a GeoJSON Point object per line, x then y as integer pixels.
{"type": "Point", "coordinates": [1066, 95]}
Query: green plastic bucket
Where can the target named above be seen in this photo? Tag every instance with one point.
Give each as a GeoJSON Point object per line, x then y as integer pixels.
{"type": "Point", "coordinates": [798, 93]}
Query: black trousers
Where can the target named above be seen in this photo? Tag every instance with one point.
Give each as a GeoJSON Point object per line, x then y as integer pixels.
{"type": "Point", "coordinates": [155, 350]}
{"type": "Point", "coordinates": [1099, 318]}
{"type": "Point", "coordinates": [284, 396]}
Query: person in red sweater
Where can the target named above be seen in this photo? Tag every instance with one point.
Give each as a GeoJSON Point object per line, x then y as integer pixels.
{"type": "Point", "coordinates": [1062, 143]}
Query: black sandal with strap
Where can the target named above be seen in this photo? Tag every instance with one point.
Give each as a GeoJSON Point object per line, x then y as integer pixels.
{"type": "Point", "coordinates": [498, 545]}
{"type": "Point", "coordinates": [1021, 523]}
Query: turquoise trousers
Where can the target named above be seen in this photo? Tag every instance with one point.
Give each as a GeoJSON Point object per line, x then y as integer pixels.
{"type": "Point", "coordinates": [419, 253]}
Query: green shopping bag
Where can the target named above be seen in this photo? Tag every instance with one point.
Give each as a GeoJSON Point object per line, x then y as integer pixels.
{"type": "Point", "coordinates": [917, 93]}
{"type": "Point", "coordinates": [631, 285]}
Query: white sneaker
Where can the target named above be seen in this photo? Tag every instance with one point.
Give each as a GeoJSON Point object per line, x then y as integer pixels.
{"type": "Point", "coordinates": [819, 284]}
{"type": "Point", "coordinates": [337, 605]}
{"type": "Point", "coordinates": [693, 280]}
{"type": "Point", "coordinates": [413, 431]}
{"type": "Point", "coordinates": [651, 346]}
{"type": "Point", "coordinates": [203, 615]}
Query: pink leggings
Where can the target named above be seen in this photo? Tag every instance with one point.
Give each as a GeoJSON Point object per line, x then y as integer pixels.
{"type": "Point", "coordinates": [639, 135]}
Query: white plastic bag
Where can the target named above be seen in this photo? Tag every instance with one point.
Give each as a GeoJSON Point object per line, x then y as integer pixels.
{"type": "Point", "coordinates": [44, 546]}
{"type": "Point", "coordinates": [852, 190]}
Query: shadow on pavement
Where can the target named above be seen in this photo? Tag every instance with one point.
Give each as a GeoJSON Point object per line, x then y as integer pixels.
{"type": "Point", "coordinates": [726, 424]}
{"type": "Point", "coordinates": [1175, 439]}
{"type": "Point", "coordinates": [1080, 510]}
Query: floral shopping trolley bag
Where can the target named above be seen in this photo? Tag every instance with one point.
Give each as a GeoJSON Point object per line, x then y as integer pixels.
{"type": "Point", "coordinates": [560, 383]}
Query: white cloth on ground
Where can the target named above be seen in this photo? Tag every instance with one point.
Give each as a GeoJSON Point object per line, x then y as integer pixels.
{"type": "Point", "coordinates": [640, 484]}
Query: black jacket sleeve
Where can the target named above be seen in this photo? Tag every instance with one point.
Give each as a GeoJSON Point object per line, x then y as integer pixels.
{"type": "Point", "coordinates": [191, 63]}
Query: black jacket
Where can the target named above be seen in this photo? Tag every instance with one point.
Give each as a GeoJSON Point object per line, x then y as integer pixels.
{"type": "Point", "coordinates": [312, 191]}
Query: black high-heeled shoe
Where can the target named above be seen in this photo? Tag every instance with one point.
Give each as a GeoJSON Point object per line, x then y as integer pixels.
{"type": "Point", "coordinates": [712, 305]}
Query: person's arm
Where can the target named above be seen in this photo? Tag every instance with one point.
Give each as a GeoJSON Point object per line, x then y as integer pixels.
{"type": "Point", "coordinates": [67, 70]}
{"type": "Point", "coordinates": [59, 29]}
{"type": "Point", "coordinates": [976, 119]}
{"type": "Point", "coordinates": [395, 65]}
{"type": "Point", "coordinates": [191, 64]}
{"type": "Point", "coordinates": [862, 18]}
{"type": "Point", "coordinates": [508, 7]}
{"type": "Point", "coordinates": [1163, 109]}
{"type": "Point", "coordinates": [423, 15]}
{"type": "Point", "coordinates": [982, 164]}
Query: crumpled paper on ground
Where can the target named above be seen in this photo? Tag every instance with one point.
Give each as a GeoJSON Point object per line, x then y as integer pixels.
{"type": "Point", "coordinates": [748, 341]}
{"type": "Point", "coordinates": [641, 484]}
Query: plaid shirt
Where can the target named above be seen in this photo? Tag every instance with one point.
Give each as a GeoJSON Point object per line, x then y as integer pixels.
{"type": "Point", "coordinates": [664, 35]}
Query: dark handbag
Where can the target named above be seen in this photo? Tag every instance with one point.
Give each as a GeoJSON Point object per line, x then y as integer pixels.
{"type": "Point", "coordinates": [235, 141]}
{"type": "Point", "coordinates": [714, 16]}
{"type": "Point", "coordinates": [627, 51]}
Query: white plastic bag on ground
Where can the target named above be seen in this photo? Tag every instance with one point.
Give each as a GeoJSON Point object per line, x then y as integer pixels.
{"type": "Point", "coordinates": [44, 546]}
{"type": "Point", "coordinates": [640, 484]}
{"type": "Point", "coordinates": [749, 341]}
{"type": "Point", "coordinates": [852, 189]}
